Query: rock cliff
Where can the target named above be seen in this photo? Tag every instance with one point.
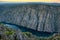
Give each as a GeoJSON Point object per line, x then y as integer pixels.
{"type": "Point", "coordinates": [40, 17]}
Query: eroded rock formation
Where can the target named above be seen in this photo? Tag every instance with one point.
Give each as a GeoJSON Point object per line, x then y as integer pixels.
{"type": "Point", "coordinates": [39, 17]}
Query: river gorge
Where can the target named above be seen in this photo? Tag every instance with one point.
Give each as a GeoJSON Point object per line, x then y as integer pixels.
{"type": "Point", "coordinates": [40, 19]}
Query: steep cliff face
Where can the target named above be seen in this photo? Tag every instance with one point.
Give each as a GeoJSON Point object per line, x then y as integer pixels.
{"type": "Point", "coordinates": [39, 17]}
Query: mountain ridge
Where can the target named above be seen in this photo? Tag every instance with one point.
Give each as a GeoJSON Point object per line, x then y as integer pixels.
{"type": "Point", "coordinates": [22, 3]}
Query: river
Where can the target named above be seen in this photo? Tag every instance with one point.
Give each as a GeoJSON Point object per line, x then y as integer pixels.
{"type": "Point", "coordinates": [24, 29]}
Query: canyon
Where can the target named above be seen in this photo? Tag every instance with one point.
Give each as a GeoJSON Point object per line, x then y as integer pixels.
{"type": "Point", "coordinates": [40, 17]}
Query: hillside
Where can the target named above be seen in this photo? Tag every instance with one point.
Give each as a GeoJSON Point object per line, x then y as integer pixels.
{"type": "Point", "coordinates": [40, 17]}
{"type": "Point", "coordinates": [7, 33]}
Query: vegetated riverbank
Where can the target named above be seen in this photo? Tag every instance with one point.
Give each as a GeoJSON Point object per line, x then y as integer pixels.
{"type": "Point", "coordinates": [24, 29]}
{"type": "Point", "coordinates": [7, 33]}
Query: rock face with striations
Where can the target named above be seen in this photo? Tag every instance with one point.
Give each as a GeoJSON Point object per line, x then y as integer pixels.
{"type": "Point", "coordinates": [41, 17]}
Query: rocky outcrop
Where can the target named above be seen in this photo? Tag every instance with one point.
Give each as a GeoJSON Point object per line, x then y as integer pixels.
{"type": "Point", "coordinates": [7, 33]}
{"type": "Point", "coordinates": [39, 17]}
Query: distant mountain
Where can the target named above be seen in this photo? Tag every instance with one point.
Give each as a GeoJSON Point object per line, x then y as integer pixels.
{"type": "Point", "coordinates": [17, 3]}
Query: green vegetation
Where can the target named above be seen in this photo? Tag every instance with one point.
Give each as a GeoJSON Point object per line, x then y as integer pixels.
{"type": "Point", "coordinates": [32, 37]}
{"type": "Point", "coordinates": [27, 34]}
{"type": "Point", "coordinates": [8, 31]}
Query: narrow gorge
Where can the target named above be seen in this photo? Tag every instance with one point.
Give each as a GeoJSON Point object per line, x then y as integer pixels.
{"type": "Point", "coordinates": [38, 19]}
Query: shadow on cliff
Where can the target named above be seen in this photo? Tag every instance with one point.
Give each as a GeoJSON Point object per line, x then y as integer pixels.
{"type": "Point", "coordinates": [34, 32]}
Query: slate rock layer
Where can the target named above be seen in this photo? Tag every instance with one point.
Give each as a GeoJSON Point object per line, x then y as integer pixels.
{"type": "Point", "coordinates": [40, 17]}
